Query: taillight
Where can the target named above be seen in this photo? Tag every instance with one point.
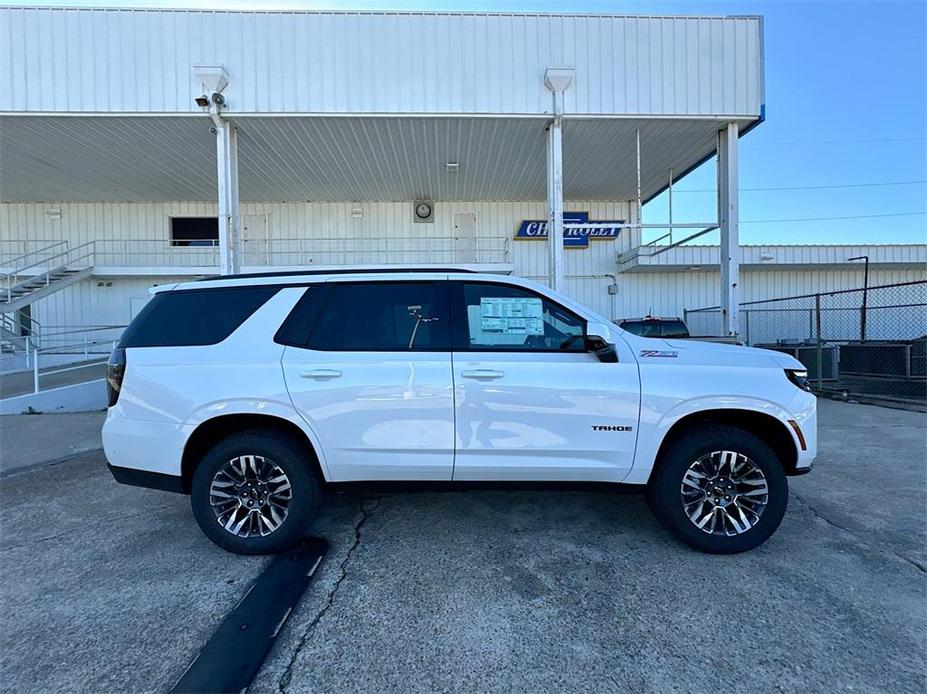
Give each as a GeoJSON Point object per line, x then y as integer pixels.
{"type": "Point", "coordinates": [115, 371]}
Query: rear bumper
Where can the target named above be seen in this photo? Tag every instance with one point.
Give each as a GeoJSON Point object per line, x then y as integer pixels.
{"type": "Point", "coordinates": [143, 445]}
{"type": "Point", "coordinates": [143, 478]}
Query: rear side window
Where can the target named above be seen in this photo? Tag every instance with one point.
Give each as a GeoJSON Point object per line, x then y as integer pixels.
{"type": "Point", "coordinates": [194, 317]}
{"type": "Point", "coordinates": [382, 317]}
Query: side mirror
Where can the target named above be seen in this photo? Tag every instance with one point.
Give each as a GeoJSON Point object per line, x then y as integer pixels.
{"type": "Point", "coordinates": [599, 341]}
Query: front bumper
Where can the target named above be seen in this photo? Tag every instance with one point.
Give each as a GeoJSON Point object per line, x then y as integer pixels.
{"type": "Point", "coordinates": [804, 409]}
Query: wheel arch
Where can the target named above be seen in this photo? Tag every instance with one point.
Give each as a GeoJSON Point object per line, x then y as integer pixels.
{"type": "Point", "coordinates": [769, 429]}
{"type": "Point", "coordinates": [209, 432]}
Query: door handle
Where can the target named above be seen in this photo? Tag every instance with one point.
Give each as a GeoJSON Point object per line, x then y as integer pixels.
{"type": "Point", "coordinates": [482, 374]}
{"type": "Point", "coordinates": [320, 374]}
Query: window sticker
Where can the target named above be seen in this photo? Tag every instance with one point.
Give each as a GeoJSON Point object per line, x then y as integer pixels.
{"type": "Point", "coordinates": [511, 316]}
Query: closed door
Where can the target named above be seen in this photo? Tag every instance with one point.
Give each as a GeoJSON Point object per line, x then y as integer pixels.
{"type": "Point", "coordinates": [255, 238]}
{"type": "Point", "coordinates": [531, 402]}
{"type": "Point", "coordinates": [465, 244]}
{"type": "Point", "coordinates": [370, 372]}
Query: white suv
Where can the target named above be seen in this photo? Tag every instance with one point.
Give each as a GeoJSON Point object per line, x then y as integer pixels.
{"type": "Point", "coordinates": [251, 393]}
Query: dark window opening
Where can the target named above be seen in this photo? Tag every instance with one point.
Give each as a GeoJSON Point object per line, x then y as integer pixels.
{"type": "Point", "coordinates": [383, 317]}
{"type": "Point", "coordinates": [194, 231]}
{"type": "Point", "coordinates": [194, 317]}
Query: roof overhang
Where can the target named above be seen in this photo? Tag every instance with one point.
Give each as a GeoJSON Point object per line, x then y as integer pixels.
{"type": "Point", "coordinates": [110, 158]}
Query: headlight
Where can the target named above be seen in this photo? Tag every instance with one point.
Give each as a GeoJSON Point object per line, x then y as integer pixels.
{"type": "Point", "coordinates": [799, 377]}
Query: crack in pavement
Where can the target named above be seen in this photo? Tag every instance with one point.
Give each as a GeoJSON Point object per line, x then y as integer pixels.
{"type": "Point", "coordinates": [366, 512]}
{"type": "Point", "coordinates": [861, 538]}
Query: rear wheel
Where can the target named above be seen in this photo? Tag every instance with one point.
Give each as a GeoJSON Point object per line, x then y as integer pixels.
{"type": "Point", "coordinates": [719, 489]}
{"type": "Point", "coordinates": [254, 493]}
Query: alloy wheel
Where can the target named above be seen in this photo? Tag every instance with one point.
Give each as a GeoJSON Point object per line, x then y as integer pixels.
{"type": "Point", "coordinates": [250, 496]}
{"type": "Point", "coordinates": [724, 493]}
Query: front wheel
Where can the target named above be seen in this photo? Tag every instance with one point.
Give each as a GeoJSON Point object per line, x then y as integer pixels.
{"type": "Point", "coordinates": [254, 493]}
{"type": "Point", "coordinates": [720, 490]}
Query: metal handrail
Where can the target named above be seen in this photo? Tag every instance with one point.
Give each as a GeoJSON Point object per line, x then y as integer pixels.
{"type": "Point", "coordinates": [95, 328]}
{"type": "Point", "coordinates": [36, 374]}
{"type": "Point", "coordinates": [68, 256]}
{"type": "Point", "coordinates": [47, 260]}
{"type": "Point", "coordinates": [38, 250]}
{"type": "Point", "coordinates": [85, 343]}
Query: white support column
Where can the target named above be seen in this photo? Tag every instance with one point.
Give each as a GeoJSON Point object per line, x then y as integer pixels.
{"type": "Point", "coordinates": [229, 216]}
{"type": "Point", "coordinates": [729, 219]}
{"type": "Point", "coordinates": [555, 204]}
{"type": "Point", "coordinates": [556, 80]}
{"type": "Point", "coordinates": [215, 79]}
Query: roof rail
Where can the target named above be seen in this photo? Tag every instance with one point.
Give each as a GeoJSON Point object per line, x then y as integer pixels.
{"type": "Point", "coordinates": [345, 271]}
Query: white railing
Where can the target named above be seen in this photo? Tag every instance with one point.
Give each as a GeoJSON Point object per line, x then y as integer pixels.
{"type": "Point", "coordinates": [13, 250]}
{"type": "Point", "coordinates": [73, 339]}
{"type": "Point", "coordinates": [37, 355]}
{"type": "Point", "coordinates": [42, 262]}
{"type": "Point", "coordinates": [153, 253]}
{"type": "Point", "coordinates": [61, 345]}
{"type": "Point", "coordinates": [316, 250]}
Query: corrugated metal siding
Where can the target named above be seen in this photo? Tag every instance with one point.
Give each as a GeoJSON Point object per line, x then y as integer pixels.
{"type": "Point", "coordinates": [686, 256]}
{"type": "Point", "coordinates": [670, 293]}
{"type": "Point", "coordinates": [385, 234]}
{"type": "Point", "coordinates": [140, 61]}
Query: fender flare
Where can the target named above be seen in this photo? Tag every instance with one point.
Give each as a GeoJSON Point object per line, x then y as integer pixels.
{"type": "Point", "coordinates": [651, 434]}
{"type": "Point", "coordinates": [259, 407]}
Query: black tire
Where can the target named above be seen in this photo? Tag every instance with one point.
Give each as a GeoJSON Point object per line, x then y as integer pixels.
{"type": "Point", "coordinates": [665, 499]}
{"type": "Point", "coordinates": [280, 450]}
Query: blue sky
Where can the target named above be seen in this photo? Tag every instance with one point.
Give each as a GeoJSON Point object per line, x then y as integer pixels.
{"type": "Point", "coordinates": [846, 114]}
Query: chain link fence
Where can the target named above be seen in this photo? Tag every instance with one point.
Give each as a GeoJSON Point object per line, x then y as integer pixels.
{"type": "Point", "coordinates": [865, 343]}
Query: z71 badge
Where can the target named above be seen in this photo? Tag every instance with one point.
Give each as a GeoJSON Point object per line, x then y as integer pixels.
{"type": "Point", "coordinates": [658, 353]}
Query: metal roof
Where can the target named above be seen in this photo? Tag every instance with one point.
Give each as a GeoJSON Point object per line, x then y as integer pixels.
{"type": "Point", "coordinates": [160, 158]}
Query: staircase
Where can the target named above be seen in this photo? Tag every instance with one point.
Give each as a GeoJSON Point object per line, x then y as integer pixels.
{"type": "Point", "coordinates": [43, 272]}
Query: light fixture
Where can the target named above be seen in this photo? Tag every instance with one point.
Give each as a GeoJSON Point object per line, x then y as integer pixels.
{"type": "Point", "coordinates": [214, 78]}
{"type": "Point", "coordinates": [695, 267]}
{"type": "Point", "coordinates": [357, 213]}
{"type": "Point", "coordinates": [767, 258]}
{"type": "Point", "coordinates": [53, 213]}
{"type": "Point", "coordinates": [452, 166]}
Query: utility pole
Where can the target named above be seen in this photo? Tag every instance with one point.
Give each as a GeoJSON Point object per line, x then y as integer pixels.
{"type": "Point", "coordinates": [862, 318]}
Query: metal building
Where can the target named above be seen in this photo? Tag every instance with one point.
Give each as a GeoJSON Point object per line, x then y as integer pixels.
{"type": "Point", "coordinates": [140, 147]}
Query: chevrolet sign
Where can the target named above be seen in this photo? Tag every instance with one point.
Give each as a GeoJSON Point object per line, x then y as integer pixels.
{"type": "Point", "coordinates": [530, 230]}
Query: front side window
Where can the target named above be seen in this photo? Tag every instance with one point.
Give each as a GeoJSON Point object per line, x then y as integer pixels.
{"type": "Point", "coordinates": [498, 317]}
{"type": "Point", "coordinates": [383, 317]}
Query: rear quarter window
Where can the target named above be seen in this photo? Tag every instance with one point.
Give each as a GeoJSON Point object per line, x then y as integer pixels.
{"type": "Point", "coordinates": [194, 317]}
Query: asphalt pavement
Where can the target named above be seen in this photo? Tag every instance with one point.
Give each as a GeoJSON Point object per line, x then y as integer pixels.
{"type": "Point", "coordinates": [113, 588]}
